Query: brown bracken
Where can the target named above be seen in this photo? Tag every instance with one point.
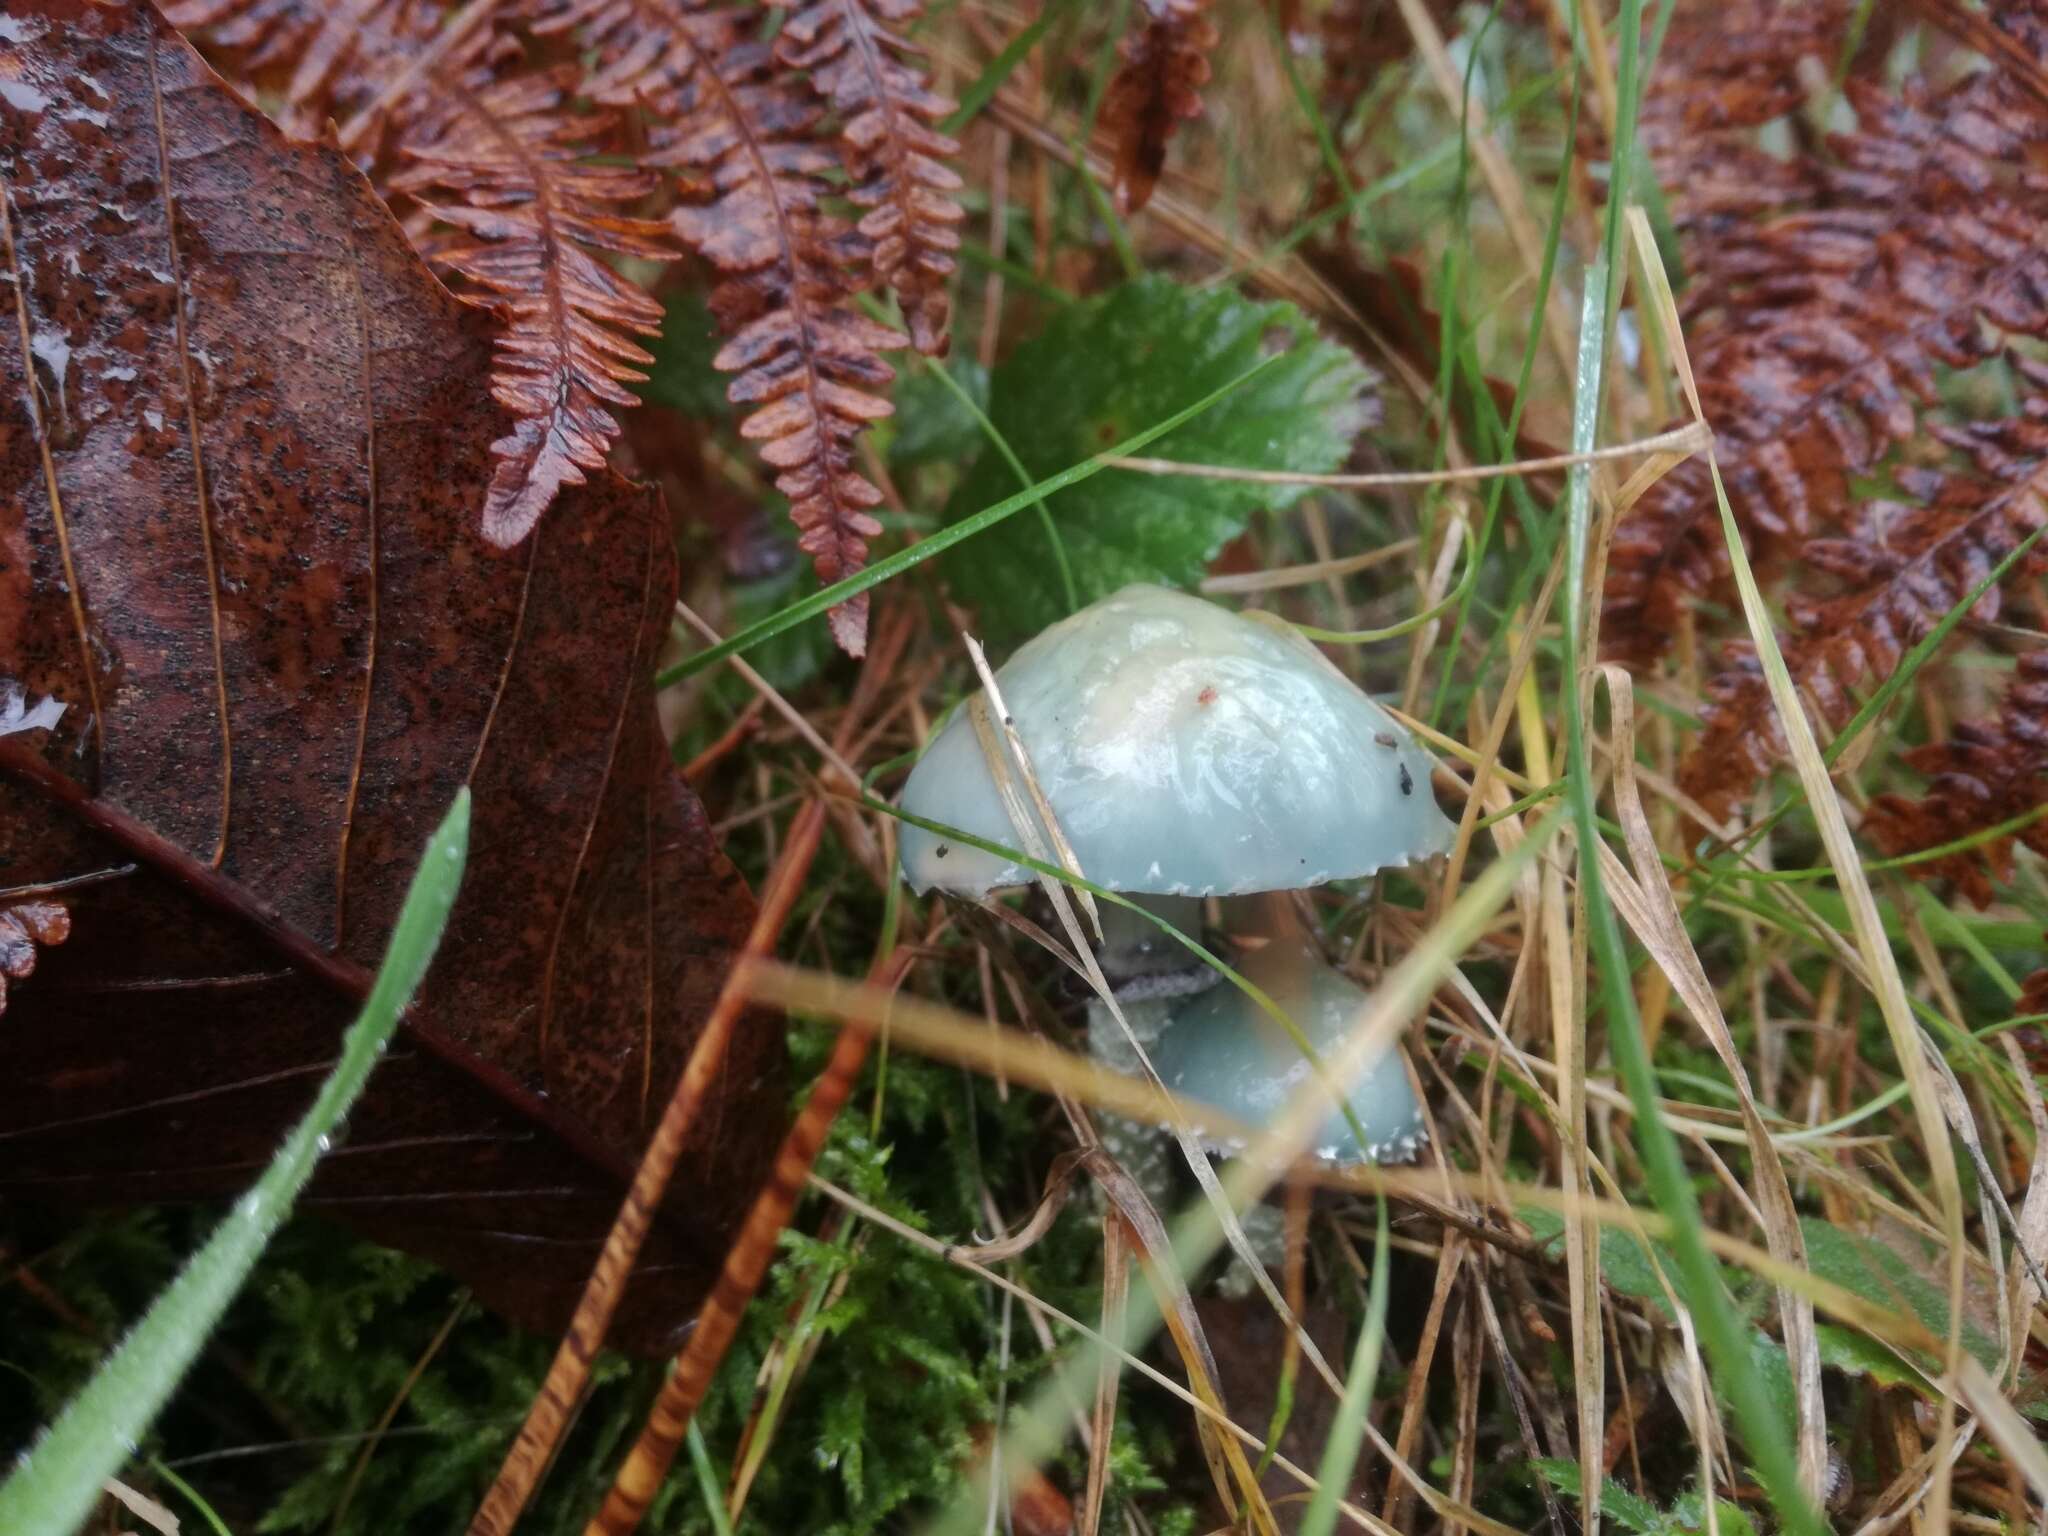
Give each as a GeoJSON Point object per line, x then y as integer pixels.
{"type": "Point", "coordinates": [1829, 293]}
{"type": "Point", "coordinates": [1158, 87]}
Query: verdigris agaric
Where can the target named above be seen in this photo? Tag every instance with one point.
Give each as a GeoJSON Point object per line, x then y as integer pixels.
{"type": "Point", "coordinates": [1188, 751]}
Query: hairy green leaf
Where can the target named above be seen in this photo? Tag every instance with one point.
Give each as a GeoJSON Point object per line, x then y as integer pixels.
{"type": "Point", "coordinates": [1101, 369]}
{"type": "Point", "coordinates": [1882, 1275]}
{"type": "Point", "coordinates": [933, 426]}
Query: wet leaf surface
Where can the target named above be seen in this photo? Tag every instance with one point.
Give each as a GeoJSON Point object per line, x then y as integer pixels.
{"type": "Point", "coordinates": [246, 439]}
{"type": "Point", "coordinates": [1104, 369]}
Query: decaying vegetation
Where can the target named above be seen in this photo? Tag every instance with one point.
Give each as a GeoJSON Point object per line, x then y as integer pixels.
{"type": "Point", "coordinates": [1649, 402]}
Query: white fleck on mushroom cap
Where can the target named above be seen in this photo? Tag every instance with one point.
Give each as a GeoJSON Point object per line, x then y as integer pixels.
{"type": "Point", "coordinates": [1187, 750]}
{"type": "Point", "coordinates": [1223, 1049]}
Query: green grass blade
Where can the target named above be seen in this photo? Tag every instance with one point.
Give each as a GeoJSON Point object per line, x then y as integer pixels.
{"type": "Point", "coordinates": [946, 538]}
{"type": "Point", "coordinates": [53, 1489]}
{"type": "Point", "coordinates": [1340, 1451]}
{"type": "Point", "coordinates": [1713, 1309]}
{"type": "Point", "coordinates": [985, 85]}
{"type": "Point", "coordinates": [1001, 444]}
{"type": "Point", "coordinates": [707, 1482]}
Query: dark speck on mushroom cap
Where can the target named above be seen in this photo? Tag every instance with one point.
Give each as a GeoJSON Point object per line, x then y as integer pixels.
{"type": "Point", "coordinates": [1187, 750]}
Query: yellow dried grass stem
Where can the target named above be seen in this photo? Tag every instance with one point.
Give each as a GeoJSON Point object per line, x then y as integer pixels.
{"type": "Point", "coordinates": [1872, 944]}
{"type": "Point", "coordinates": [1667, 448]}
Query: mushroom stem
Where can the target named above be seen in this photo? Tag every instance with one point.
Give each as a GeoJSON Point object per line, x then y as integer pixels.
{"type": "Point", "coordinates": [1278, 954]}
{"type": "Point", "coordinates": [1131, 946]}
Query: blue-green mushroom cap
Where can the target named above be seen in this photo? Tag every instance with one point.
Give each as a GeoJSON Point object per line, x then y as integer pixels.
{"type": "Point", "coordinates": [1187, 750]}
{"type": "Point", "coordinates": [1222, 1049]}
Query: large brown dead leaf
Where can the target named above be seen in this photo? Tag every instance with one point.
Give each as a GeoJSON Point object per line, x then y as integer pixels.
{"type": "Point", "coordinates": [244, 442]}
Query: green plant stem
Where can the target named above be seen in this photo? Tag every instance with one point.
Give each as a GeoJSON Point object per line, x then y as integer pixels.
{"type": "Point", "coordinates": [190, 1495]}
{"type": "Point", "coordinates": [707, 1482]}
{"type": "Point", "coordinates": [53, 1489]}
{"type": "Point", "coordinates": [1002, 446]}
{"type": "Point", "coordinates": [1713, 1310]}
{"type": "Point", "coordinates": [1340, 1450]}
{"type": "Point", "coordinates": [896, 564]}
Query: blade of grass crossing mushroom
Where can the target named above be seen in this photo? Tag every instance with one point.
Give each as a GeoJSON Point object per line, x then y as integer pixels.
{"type": "Point", "coordinates": [1661, 929]}
{"type": "Point", "coordinates": [1197, 1236]}
{"type": "Point", "coordinates": [1725, 1337]}
{"type": "Point", "coordinates": [52, 1490]}
{"type": "Point", "coordinates": [1872, 942]}
{"type": "Point", "coordinates": [1065, 877]}
{"type": "Point", "coordinates": [999, 751]}
{"type": "Point", "coordinates": [993, 706]}
{"type": "Point", "coordinates": [967, 1040]}
{"type": "Point", "coordinates": [935, 1030]}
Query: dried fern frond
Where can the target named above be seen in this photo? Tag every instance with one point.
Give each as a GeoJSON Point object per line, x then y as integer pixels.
{"type": "Point", "coordinates": [1820, 348]}
{"type": "Point", "coordinates": [1156, 89]}
{"type": "Point", "coordinates": [1724, 73]}
{"type": "Point", "coordinates": [894, 151]}
{"type": "Point", "coordinates": [1986, 773]}
{"type": "Point", "coordinates": [25, 928]}
{"type": "Point", "coordinates": [496, 156]}
{"type": "Point", "coordinates": [503, 161]}
{"type": "Point", "coordinates": [1900, 569]}
{"type": "Point", "coordinates": [327, 62]}
{"type": "Point", "coordinates": [744, 133]}
{"type": "Point", "coordinates": [1357, 39]}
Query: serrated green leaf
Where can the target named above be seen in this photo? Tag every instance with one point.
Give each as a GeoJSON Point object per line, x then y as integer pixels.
{"type": "Point", "coordinates": [1631, 1511]}
{"type": "Point", "coordinates": [1768, 1363]}
{"type": "Point", "coordinates": [1689, 1511]}
{"type": "Point", "coordinates": [1624, 1262]}
{"type": "Point", "coordinates": [1880, 1275]}
{"type": "Point", "coordinates": [932, 426]}
{"type": "Point", "coordinates": [1099, 371]}
{"type": "Point", "coordinates": [1848, 1350]}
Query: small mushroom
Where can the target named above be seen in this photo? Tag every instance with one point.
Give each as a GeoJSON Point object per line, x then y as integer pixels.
{"type": "Point", "coordinates": [1222, 1048]}
{"type": "Point", "coordinates": [1188, 751]}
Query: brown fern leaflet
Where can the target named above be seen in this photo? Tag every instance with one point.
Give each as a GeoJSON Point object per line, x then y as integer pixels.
{"type": "Point", "coordinates": [808, 366]}
{"type": "Point", "coordinates": [1818, 340]}
{"type": "Point", "coordinates": [894, 150]}
{"type": "Point", "coordinates": [25, 927]}
{"type": "Point", "coordinates": [327, 61]}
{"type": "Point", "coordinates": [496, 156]}
{"type": "Point", "coordinates": [505, 163]}
{"type": "Point", "coordinates": [1159, 87]}
{"type": "Point", "coordinates": [1987, 773]}
{"type": "Point", "coordinates": [1822, 332]}
{"type": "Point", "coordinates": [1900, 569]}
